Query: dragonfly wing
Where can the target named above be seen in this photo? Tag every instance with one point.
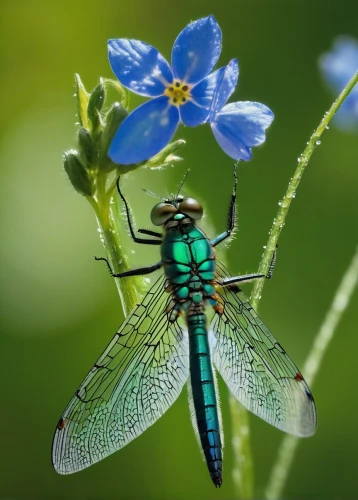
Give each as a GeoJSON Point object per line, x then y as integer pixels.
{"type": "Point", "coordinates": [256, 368]}
{"type": "Point", "coordinates": [137, 378]}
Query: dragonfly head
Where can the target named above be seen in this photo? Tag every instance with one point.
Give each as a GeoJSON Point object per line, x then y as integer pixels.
{"type": "Point", "coordinates": [176, 210]}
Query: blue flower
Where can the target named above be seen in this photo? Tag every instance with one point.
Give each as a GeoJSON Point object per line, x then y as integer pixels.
{"type": "Point", "coordinates": [182, 92]}
{"type": "Point", "coordinates": [239, 125]}
{"type": "Point", "coordinates": [338, 67]}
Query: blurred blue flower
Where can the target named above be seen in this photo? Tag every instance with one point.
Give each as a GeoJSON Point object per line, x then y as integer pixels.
{"type": "Point", "coordinates": [338, 67]}
{"type": "Point", "coordinates": [239, 125]}
{"type": "Point", "coordinates": [181, 92]}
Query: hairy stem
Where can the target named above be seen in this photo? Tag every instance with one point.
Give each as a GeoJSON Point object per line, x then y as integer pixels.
{"type": "Point", "coordinates": [303, 160]}
{"type": "Point", "coordinates": [289, 443]}
{"type": "Point", "coordinates": [109, 227]}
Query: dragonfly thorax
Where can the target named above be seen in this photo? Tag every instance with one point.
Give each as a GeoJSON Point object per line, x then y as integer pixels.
{"type": "Point", "coordinates": [189, 265]}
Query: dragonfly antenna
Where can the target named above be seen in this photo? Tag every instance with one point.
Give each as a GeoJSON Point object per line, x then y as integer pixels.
{"type": "Point", "coordinates": [153, 194]}
{"type": "Point", "coordinates": [182, 182]}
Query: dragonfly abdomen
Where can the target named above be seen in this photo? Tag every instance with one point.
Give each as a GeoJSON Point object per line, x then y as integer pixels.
{"type": "Point", "coordinates": [204, 395]}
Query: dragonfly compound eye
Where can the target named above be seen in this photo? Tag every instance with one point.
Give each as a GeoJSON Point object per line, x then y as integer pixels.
{"type": "Point", "coordinates": [191, 208]}
{"type": "Point", "coordinates": [161, 213]}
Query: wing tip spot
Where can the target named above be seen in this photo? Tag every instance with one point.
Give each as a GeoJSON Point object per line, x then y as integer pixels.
{"type": "Point", "coordinates": [61, 423]}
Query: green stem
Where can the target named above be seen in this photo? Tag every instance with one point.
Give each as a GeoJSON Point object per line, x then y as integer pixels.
{"type": "Point", "coordinates": [279, 221]}
{"type": "Point", "coordinates": [289, 444]}
{"type": "Point", "coordinates": [242, 472]}
{"type": "Point", "coordinates": [108, 219]}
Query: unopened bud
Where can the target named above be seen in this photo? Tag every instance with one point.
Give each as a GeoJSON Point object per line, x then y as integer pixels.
{"type": "Point", "coordinates": [114, 118]}
{"type": "Point", "coordinates": [166, 155]}
{"type": "Point", "coordinates": [77, 173]}
{"type": "Point", "coordinates": [170, 161]}
{"type": "Point", "coordinates": [82, 101]}
{"type": "Point", "coordinates": [86, 147]}
{"type": "Point", "coordinates": [95, 105]}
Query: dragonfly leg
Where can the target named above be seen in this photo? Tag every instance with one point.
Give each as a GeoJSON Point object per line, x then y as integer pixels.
{"type": "Point", "coordinates": [250, 277]}
{"type": "Point", "coordinates": [132, 272]}
{"type": "Point", "coordinates": [231, 215]}
{"type": "Point", "coordinates": [241, 279]}
{"type": "Point", "coordinates": [144, 241]}
{"type": "Point", "coordinates": [150, 233]}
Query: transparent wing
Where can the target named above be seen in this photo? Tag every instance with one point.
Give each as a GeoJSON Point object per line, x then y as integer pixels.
{"type": "Point", "coordinates": [256, 368]}
{"type": "Point", "coordinates": [137, 378]}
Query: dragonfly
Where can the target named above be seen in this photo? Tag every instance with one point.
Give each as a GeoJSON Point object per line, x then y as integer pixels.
{"type": "Point", "coordinates": [194, 320]}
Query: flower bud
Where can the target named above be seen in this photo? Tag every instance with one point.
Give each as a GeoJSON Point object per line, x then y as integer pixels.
{"type": "Point", "coordinates": [95, 105]}
{"type": "Point", "coordinates": [86, 147]}
{"type": "Point", "coordinates": [169, 162]}
{"type": "Point", "coordinates": [82, 101]}
{"type": "Point", "coordinates": [77, 173]}
{"type": "Point", "coordinates": [166, 155]}
{"type": "Point", "coordinates": [114, 118]}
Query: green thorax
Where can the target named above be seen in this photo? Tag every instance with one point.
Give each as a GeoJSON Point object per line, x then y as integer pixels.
{"type": "Point", "coordinates": [189, 262]}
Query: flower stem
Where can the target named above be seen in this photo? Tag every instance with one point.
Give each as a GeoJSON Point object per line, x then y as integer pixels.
{"type": "Point", "coordinates": [243, 471]}
{"type": "Point", "coordinates": [279, 221]}
{"type": "Point", "coordinates": [289, 444]}
{"type": "Point", "coordinates": [119, 262]}
{"type": "Point", "coordinates": [108, 219]}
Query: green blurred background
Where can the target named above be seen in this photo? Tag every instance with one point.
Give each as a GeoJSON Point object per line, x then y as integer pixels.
{"type": "Point", "coordinates": [59, 308]}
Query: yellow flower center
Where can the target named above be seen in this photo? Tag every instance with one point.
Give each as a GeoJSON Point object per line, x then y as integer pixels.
{"type": "Point", "coordinates": [178, 93]}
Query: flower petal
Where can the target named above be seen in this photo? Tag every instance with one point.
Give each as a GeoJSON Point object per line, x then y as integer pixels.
{"type": "Point", "coordinates": [145, 132]}
{"type": "Point", "coordinates": [241, 125]}
{"type": "Point", "coordinates": [196, 50]}
{"type": "Point", "coordinates": [139, 66]}
{"type": "Point", "coordinates": [225, 88]}
{"type": "Point", "coordinates": [196, 111]}
{"type": "Point", "coordinates": [339, 65]}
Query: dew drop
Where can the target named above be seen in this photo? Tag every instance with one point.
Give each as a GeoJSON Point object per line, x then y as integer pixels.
{"type": "Point", "coordinates": [280, 203]}
{"type": "Point", "coordinates": [327, 127]}
{"type": "Point", "coordinates": [318, 142]}
{"type": "Point", "coordinates": [294, 194]}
